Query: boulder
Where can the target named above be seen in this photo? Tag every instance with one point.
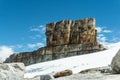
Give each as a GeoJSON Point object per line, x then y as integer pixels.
{"type": "Point", "coordinates": [41, 77]}
{"type": "Point", "coordinates": [63, 73]}
{"type": "Point", "coordinates": [116, 63]}
{"type": "Point", "coordinates": [12, 71]}
{"type": "Point", "coordinates": [46, 77]}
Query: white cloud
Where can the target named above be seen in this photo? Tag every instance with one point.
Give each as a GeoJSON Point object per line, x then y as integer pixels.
{"type": "Point", "coordinates": [26, 47]}
{"type": "Point", "coordinates": [5, 52]}
{"type": "Point", "coordinates": [99, 29]}
{"type": "Point", "coordinates": [35, 29]}
{"type": "Point", "coordinates": [32, 37]}
{"type": "Point", "coordinates": [100, 35]}
{"type": "Point", "coordinates": [38, 36]}
{"type": "Point", "coordinates": [40, 28]}
{"type": "Point", "coordinates": [103, 30]}
{"type": "Point", "coordinates": [38, 32]}
{"type": "Point", "coordinates": [102, 38]}
{"type": "Point", "coordinates": [17, 46]}
{"type": "Point", "coordinates": [107, 31]}
{"type": "Point", "coordinates": [115, 39]}
{"type": "Point", "coordinates": [35, 45]}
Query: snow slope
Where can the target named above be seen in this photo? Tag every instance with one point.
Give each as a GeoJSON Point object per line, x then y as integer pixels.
{"type": "Point", "coordinates": [109, 46]}
{"type": "Point", "coordinates": [76, 63]}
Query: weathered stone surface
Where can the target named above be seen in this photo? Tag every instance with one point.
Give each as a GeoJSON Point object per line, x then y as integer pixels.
{"type": "Point", "coordinates": [46, 77]}
{"type": "Point", "coordinates": [65, 38]}
{"type": "Point", "coordinates": [90, 76]}
{"type": "Point", "coordinates": [63, 73]}
{"type": "Point", "coordinates": [71, 32]}
{"type": "Point", "coordinates": [116, 63]}
{"type": "Point", "coordinates": [12, 71]}
{"type": "Point", "coordinates": [106, 69]}
{"type": "Point", "coordinates": [103, 73]}
{"type": "Point", "coordinates": [41, 77]}
{"type": "Point", "coordinates": [52, 53]}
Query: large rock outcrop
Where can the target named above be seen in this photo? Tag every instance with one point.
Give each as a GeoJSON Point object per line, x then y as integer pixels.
{"type": "Point", "coordinates": [65, 38]}
{"type": "Point", "coordinates": [71, 32]}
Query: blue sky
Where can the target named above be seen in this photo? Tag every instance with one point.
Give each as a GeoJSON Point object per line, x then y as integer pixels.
{"type": "Point", "coordinates": [22, 22]}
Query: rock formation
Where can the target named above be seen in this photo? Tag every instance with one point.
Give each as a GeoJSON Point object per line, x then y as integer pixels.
{"type": "Point", "coordinates": [65, 38]}
{"type": "Point", "coordinates": [116, 63]}
{"type": "Point", "coordinates": [12, 71]}
{"type": "Point", "coordinates": [71, 32]}
{"type": "Point", "coordinates": [45, 77]}
{"type": "Point", "coordinates": [15, 71]}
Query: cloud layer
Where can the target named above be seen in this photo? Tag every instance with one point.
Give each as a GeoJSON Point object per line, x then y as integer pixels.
{"type": "Point", "coordinates": [102, 38]}
{"type": "Point", "coordinates": [27, 47]}
{"type": "Point", "coordinates": [103, 30]}
{"type": "Point", "coordinates": [38, 45]}
{"type": "Point", "coordinates": [38, 33]}
{"type": "Point", "coordinates": [40, 29]}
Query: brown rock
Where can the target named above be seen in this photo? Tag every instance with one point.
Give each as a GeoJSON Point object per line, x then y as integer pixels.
{"type": "Point", "coordinates": [63, 73]}
{"type": "Point", "coordinates": [71, 32]}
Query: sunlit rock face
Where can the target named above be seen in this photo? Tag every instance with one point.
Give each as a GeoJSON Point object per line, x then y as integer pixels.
{"type": "Point", "coordinates": [64, 39]}
{"type": "Point", "coordinates": [71, 32]}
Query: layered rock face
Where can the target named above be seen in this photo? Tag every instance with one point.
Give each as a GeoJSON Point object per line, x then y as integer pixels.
{"type": "Point", "coordinates": [71, 32]}
{"type": "Point", "coordinates": [12, 71]}
{"type": "Point", "coordinates": [65, 38]}
{"type": "Point", "coordinates": [52, 53]}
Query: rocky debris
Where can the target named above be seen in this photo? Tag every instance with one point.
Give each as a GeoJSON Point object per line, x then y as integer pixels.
{"type": "Point", "coordinates": [92, 74]}
{"type": "Point", "coordinates": [12, 71]}
{"type": "Point", "coordinates": [106, 69]}
{"type": "Point", "coordinates": [71, 32]}
{"type": "Point", "coordinates": [116, 63]}
{"type": "Point", "coordinates": [64, 39]}
{"type": "Point", "coordinates": [41, 77]}
{"type": "Point", "coordinates": [63, 73]}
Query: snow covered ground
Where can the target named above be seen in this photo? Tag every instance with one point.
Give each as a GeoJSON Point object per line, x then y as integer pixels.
{"type": "Point", "coordinates": [75, 63]}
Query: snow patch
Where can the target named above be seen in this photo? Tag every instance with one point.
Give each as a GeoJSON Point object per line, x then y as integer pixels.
{"type": "Point", "coordinates": [75, 63]}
